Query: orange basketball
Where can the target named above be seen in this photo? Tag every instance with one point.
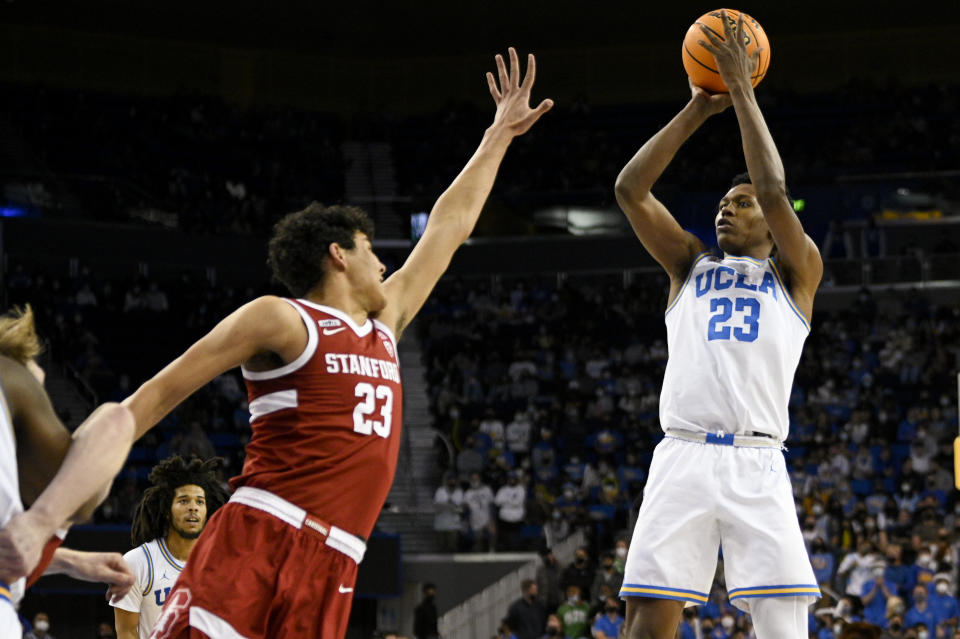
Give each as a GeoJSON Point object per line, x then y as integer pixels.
{"type": "Point", "coordinates": [700, 63]}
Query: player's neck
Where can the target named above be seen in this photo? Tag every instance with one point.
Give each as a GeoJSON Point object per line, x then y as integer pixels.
{"type": "Point", "coordinates": [760, 253]}
{"type": "Point", "coordinates": [337, 294]}
{"type": "Point", "coordinates": [178, 546]}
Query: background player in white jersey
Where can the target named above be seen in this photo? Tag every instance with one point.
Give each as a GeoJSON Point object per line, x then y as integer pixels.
{"type": "Point", "coordinates": [166, 525]}
{"type": "Point", "coordinates": [61, 477]}
{"type": "Point", "coordinates": [735, 329]}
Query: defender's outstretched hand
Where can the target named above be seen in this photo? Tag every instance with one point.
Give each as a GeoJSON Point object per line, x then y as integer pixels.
{"type": "Point", "coordinates": [736, 66]}
{"type": "Point", "coordinates": [513, 95]}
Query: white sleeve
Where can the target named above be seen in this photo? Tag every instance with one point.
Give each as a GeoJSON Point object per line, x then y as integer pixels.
{"type": "Point", "coordinates": [139, 564]}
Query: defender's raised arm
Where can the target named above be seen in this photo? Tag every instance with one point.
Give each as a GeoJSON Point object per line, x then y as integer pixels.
{"type": "Point", "coordinates": [456, 212]}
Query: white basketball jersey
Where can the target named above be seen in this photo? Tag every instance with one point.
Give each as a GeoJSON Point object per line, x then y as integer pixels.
{"type": "Point", "coordinates": [156, 570]}
{"type": "Point", "coordinates": [10, 504]}
{"type": "Point", "coordinates": [735, 338]}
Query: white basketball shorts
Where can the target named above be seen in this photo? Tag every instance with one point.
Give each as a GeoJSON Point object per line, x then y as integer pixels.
{"type": "Point", "coordinates": [701, 498]}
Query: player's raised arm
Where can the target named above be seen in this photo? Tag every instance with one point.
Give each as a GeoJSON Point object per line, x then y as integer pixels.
{"type": "Point", "coordinates": [795, 249]}
{"type": "Point", "coordinates": [265, 325]}
{"type": "Point", "coordinates": [656, 228]}
{"type": "Point", "coordinates": [456, 212]}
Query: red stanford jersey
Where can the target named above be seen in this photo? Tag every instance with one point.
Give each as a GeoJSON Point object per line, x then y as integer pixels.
{"type": "Point", "coordinates": [326, 427]}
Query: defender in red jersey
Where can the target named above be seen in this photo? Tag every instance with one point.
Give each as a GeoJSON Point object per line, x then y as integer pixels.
{"type": "Point", "coordinates": [323, 377]}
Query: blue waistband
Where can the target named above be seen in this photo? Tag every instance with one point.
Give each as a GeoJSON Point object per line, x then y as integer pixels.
{"type": "Point", "coordinates": [723, 439]}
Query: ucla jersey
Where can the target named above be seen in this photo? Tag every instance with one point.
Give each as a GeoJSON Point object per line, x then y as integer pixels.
{"type": "Point", "coordinates": [735, 338]}
{"type": "Point", "coordinates": [156, 570]}
{"type": "Point", "coordinates": [10, 504]}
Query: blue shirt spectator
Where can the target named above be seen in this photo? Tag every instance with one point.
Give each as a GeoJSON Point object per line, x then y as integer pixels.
{"type": "Point", "coordinates": [921, 612]}
{"type": "Point", "coordinates": [874, 597]}
{"type": "Point", "coordinates": [609, 624]}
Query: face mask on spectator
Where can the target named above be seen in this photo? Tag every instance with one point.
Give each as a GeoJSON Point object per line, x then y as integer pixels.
{"type": "Point", "coordinates": [42, 625]}
{"type": "Point", "coordinates": [878, 572]}
{"type": "Point", "coordinates": [574, 599]}
{"type": "Point", "coordinates": [727, 623]}
{"type": "Point", "coordinates": [612, 610]}
{"type": "Point", "coordinates": [837, 629]}
{"type": "Point", "coordinates": [553, 631]}
{"type": "Point", "coordinates": [923, 634]}
{"type": "Point", "coordinates": [817, 510]}
{"type": "Point", "coordinates": [942, 588]}
{"type": "Point", "coordinates": [621, 552]}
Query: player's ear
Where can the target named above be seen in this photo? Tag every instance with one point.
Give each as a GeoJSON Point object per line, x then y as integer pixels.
{"type": "Point", "coordinates": [335, 253]}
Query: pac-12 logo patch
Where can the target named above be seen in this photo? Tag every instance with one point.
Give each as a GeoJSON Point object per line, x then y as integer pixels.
{"type": "Point", "coordinates": [387, 344]}
{"type": "Point", "coordinates": [177, 604]}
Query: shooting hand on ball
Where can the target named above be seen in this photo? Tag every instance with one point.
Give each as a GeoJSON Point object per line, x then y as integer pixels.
{"type": "Point", "coordinates": [709, 103]}
{"type": "Point", "coordinates": [736, 66]}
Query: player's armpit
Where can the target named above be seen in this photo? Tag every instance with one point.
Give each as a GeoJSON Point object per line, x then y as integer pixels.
{"type": "Point", "coordinates": [267, 324]}
{"type": "Point", "coordinates": [409, 287]}
{"type": "Point", "coordinates": [663, 237]}
{"type": "Point", "coordinates": [42, 440]}
{"type": "Point", "coordinates": [127, 623]}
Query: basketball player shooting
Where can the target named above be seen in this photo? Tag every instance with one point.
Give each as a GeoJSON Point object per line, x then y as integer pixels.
{"type": "Point", "coordinates": [280, 559]}
{"type": "Point", "coordinates": [735, 329]}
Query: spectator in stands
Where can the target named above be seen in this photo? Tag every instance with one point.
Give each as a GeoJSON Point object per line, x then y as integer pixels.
{"type": "Point", "coordinates": [607, 625]}
{"type": "Point", "coordinates": [579, 573]}
{"type": "Point", "coordinates": [470, 459]}
{"type": "Point", "coordinates": [920, 612]}
{"type": "Point", "coordinates": [621, 546]}
{"type": "Point", "coordinates": [448, 505]}
{"type": "Point", "coordinates": [518, 435]}
{"type": "Point", "coordinates": [859, 565]}
{"type": "Point", "coordinates": [195, 443]}
{"type": "Point", "coordinates": [526, 616]}
{"type": "Point", "coordinates": [554, 627]}
{"type": "Point", "coordinates": [425, 614]}
{"type": "Point", "coordinates": [875, 595]}
{"type": "Point", "coordinates": [574, 614]}
{"type": "Point", "coordinates": [548, 579]}
{"type": "Point", "coordinates": [556, 529]}
{"type": "Point", "coordinates": [511, 501]}
{"type": "Point", "coordinates": [505, 631]}
{"type": "Point", "coordinates": [943, 604]}
{"type": "Point", "coordinates": [479, 501]}
{"type": "Point", "coordinates": [41, 627]}
{"type": "Point", "coordinates": [607, 575]}
{"type": "Point", "coordinates": [492, 426]}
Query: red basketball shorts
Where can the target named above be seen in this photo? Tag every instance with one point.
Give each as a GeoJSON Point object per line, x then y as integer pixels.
{"type": "Point", "coordinates": [264, 569]}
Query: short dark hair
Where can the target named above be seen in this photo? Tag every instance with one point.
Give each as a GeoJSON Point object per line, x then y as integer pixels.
{"type": "Point", "coordinates": [151, 519]}
{"type": "Point", "coordinates": [526, 583]}
{"type": "Point", "coordinates": [301, 241]}
{"type": "Point", "coordinates": [429, 586]}
{"type": "Point", "coordinates": [744, 178]}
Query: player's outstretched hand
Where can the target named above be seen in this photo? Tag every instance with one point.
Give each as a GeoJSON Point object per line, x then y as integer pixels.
{"type": "Point", "coordinates": [99, 567]}
{"type": "Point", "coordinates": [710, 103]}
{"type": "Point", "coordinates": [736, 66]}
{"type": "Point", "coordinates": [21, 544]}
{"type": "Point", "coordinates": [513, 95]}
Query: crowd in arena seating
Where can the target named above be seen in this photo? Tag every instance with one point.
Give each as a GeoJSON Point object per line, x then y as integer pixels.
{"type": "Point", "coordinates": [217, 167]}
{"type": "Point", "coordinates": [553, 385]}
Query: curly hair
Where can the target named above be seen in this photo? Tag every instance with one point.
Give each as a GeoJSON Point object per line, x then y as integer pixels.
{"type": "Point", "coordinates": [301, 241]}
{"type": "Point", "coordinates": [18, 335]}
{"type": "Point", "coordinates": [151, 519]}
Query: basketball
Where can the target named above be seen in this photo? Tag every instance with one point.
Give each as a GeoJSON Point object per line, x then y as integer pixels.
{"type": "Point", "coordinates": [700, 63]}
